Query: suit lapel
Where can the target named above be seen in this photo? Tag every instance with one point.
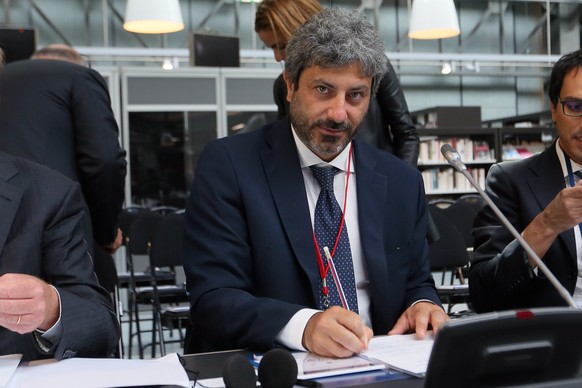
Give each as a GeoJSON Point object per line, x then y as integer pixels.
{"type": "Point", "coordinates": [283, 172]}
{"type": "Point", "coordinates": [10, 197]}
{"type": "Point", "coordinates": [546, 185]}
{"type": "Point", "coordinates": [371, 188]}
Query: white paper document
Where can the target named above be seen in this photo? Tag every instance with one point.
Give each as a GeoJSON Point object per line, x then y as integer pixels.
{"type": "Point", "coordinates": [100, 372]}
{"type": "Point", "coordinates": [311, 366]}
{"type": "Point", "coordinates": [8, 365]}
{"type": "Point", "coordinates": [405, 353]}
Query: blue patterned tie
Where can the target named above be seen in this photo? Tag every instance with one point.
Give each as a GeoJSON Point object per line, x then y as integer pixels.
{"type": "Point", "coordinates": [328, 216]}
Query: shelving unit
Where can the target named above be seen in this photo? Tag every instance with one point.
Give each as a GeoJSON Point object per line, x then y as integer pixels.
{"type": "Point", "coordinates": [476, 147]}
{"type": "Point", "coordinates": [480, 146]}
{"type": "Point", "coordinates": [524, 135]}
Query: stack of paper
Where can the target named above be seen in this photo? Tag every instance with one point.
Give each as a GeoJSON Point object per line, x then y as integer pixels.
{"type": "Point", "coordinates": [405, 353]}
{"type": "Point", "coordinates": [98, 372]}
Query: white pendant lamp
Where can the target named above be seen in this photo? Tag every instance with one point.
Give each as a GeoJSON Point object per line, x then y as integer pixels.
{"type": "Point", "coordinates": [433, 19]}
{"type": "Point", "coordinates": [153, 16]}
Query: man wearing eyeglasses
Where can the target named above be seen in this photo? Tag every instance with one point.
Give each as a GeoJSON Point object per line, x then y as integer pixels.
{"type": "Point", "coordinates": [542, 198]}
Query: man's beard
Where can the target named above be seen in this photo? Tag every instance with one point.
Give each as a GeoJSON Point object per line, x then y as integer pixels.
{"type": "Point", "coordinates": [318, 143]}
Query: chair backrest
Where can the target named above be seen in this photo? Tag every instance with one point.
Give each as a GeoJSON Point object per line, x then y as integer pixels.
{"type": "Point", "coordinates": [167, 243]}
{"type": "Point", "coordinates": [449, 250]}
{"type": "Point", "coordinates": [126, 218]}
{"type": "Point", "coordinates": [474, 200]}
{"type": "Point", "coordinates": [164, 209]}
{"type": "Point", "coordinates": [141, 232]}
{"type": "Point", "coordinates": [462, 215]}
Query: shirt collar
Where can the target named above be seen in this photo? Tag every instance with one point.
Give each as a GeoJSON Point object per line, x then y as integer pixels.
{"type": "Point", "coordinates": [562, 157]}
{"type": "Point", "coordinates": [307, 158]}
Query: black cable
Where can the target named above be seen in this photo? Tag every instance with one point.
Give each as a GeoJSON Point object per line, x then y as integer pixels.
{"type": "Point", "coordinates": [194, 373]}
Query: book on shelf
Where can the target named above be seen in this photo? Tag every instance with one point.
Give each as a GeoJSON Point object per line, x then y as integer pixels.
{"type": "Point", "coordinates": [446, 179]}
{"type": "Point", "coordinates": [522, 150]}
{"type": "Point", "coordinates": [469, 150]}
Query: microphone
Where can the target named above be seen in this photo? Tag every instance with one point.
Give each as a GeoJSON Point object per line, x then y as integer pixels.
{"type": "Point", "coordinates": [454, 159]}
{"type": "Point", "coordinates": [278, 369]}
{"type": "Point", "coordinates": [238, 373]}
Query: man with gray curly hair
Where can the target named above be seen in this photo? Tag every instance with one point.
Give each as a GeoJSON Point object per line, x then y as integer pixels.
{"type": "Point", "coordinates": [325, 44]}
{"type": "Point", "coordinates": [299, 236]}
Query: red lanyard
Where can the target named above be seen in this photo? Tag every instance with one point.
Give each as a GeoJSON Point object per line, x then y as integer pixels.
{"type": "Point", "coordinates": [324, 269]}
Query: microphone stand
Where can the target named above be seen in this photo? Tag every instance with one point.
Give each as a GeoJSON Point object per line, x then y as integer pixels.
{"type": "Point", "coordinates": [454, 159]}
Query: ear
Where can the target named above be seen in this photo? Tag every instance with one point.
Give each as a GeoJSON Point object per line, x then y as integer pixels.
{"type": "Point", "coordinates": [290, 87]}
{"type": "Point", "coordinates": [554, 111]}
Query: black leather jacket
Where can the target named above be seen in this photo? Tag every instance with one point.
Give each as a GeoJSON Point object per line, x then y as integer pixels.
{"type": "Point", "coordinates": [387, 125]}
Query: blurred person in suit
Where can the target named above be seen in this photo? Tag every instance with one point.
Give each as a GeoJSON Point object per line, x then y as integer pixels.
{"type": "Point", "coordinates": [56, 111]}
{"type": "Point", "coordinates": [50, 302]}
{"type": "Point", "coordinates": [387, 125]}
{"type": "Point", "coordinates": [257, 272]}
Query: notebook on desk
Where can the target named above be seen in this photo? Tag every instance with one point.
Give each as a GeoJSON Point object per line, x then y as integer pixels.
{"type": "Point", "coordinates": [311, 366]}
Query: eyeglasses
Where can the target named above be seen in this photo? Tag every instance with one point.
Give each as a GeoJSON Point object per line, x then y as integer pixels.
{"type": "Point", "coordinates": [572, 108]}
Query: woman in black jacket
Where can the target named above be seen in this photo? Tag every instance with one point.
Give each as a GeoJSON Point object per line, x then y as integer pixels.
{"type": "Point", "coordinates": [387, 125]}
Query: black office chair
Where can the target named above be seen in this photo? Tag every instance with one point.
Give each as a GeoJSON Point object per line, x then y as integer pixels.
{"type": "Point", "coordinates": [462, 215]}
{"type": "Point", "coordinates": [474, 200]}
{"type": "Point", "coordinates": [166, 252]}
{"type": "Point", "coordinates": [139, 238]}
{"type": "Point", "coordinates": [449, 256]}
{"type": "Point", "coordinates": [126, 218]}
{"type": "Point", "coordinates": [462, 212]}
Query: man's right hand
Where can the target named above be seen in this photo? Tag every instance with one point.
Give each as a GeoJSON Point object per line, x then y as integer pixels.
{"type": "Point", "coordinates": [336, 332]}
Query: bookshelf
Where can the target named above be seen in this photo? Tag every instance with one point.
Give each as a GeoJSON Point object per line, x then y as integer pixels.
{"type": "Point", "coordinates": [524, 135]}
{"type": "Point", "coordinates": [476, 147]}
{"type": "Point", "coordinates": [479, 144]}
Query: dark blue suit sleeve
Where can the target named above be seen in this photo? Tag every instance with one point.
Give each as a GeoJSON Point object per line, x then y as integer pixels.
{"type": "Point", "coordinates": [224, 263]}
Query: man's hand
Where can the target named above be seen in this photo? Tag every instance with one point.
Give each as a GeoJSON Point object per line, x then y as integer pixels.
{"type": "Point", "coordinates": [336, 332]}
{"type": "Point", "coordinates": [114, 246]}
{"type": "Point", "coordinates": [417, 318]}
{"type": "Point", "coordinates": [27, 303]}
{"type": "Point", "coordinates": [565, 211]}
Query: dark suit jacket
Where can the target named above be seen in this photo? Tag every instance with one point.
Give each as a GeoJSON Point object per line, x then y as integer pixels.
{"type": "Point", "coordinates": [387, 124]}
{"type": "Point", "coordinates": [59, 114]}
{"type": "Point", "coordinates": [500, 277]}
{"type": "Point", "coordinates": [249, 253]}
{"type": "Point", "coordinates": [40, 235]}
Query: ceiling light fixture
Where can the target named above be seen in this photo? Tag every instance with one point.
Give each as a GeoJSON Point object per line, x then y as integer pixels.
{"type": "Point", "coordinates": [433, 19]}
{"type": "Point", "coordinates": [153, 16]}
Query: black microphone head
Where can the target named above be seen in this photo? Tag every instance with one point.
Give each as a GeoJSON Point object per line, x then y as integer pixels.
{"type": "Point", "coordinates": [278, 369]}
{"type": "Point", "coordinates": [239, 373]}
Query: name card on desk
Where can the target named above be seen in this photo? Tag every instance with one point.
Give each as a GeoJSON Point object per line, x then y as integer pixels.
{"type": "Point", "coordinates": [100, 372]}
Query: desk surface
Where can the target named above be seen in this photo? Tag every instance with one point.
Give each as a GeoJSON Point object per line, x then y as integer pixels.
{"type": "Point", "coordinates": [210, 365]}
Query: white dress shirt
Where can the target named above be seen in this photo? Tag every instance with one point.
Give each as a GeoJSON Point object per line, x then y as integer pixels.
{"type": "Point", "coordinates": [292, 334]}
{"type": "Point", "coordinates": [575, 167]}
